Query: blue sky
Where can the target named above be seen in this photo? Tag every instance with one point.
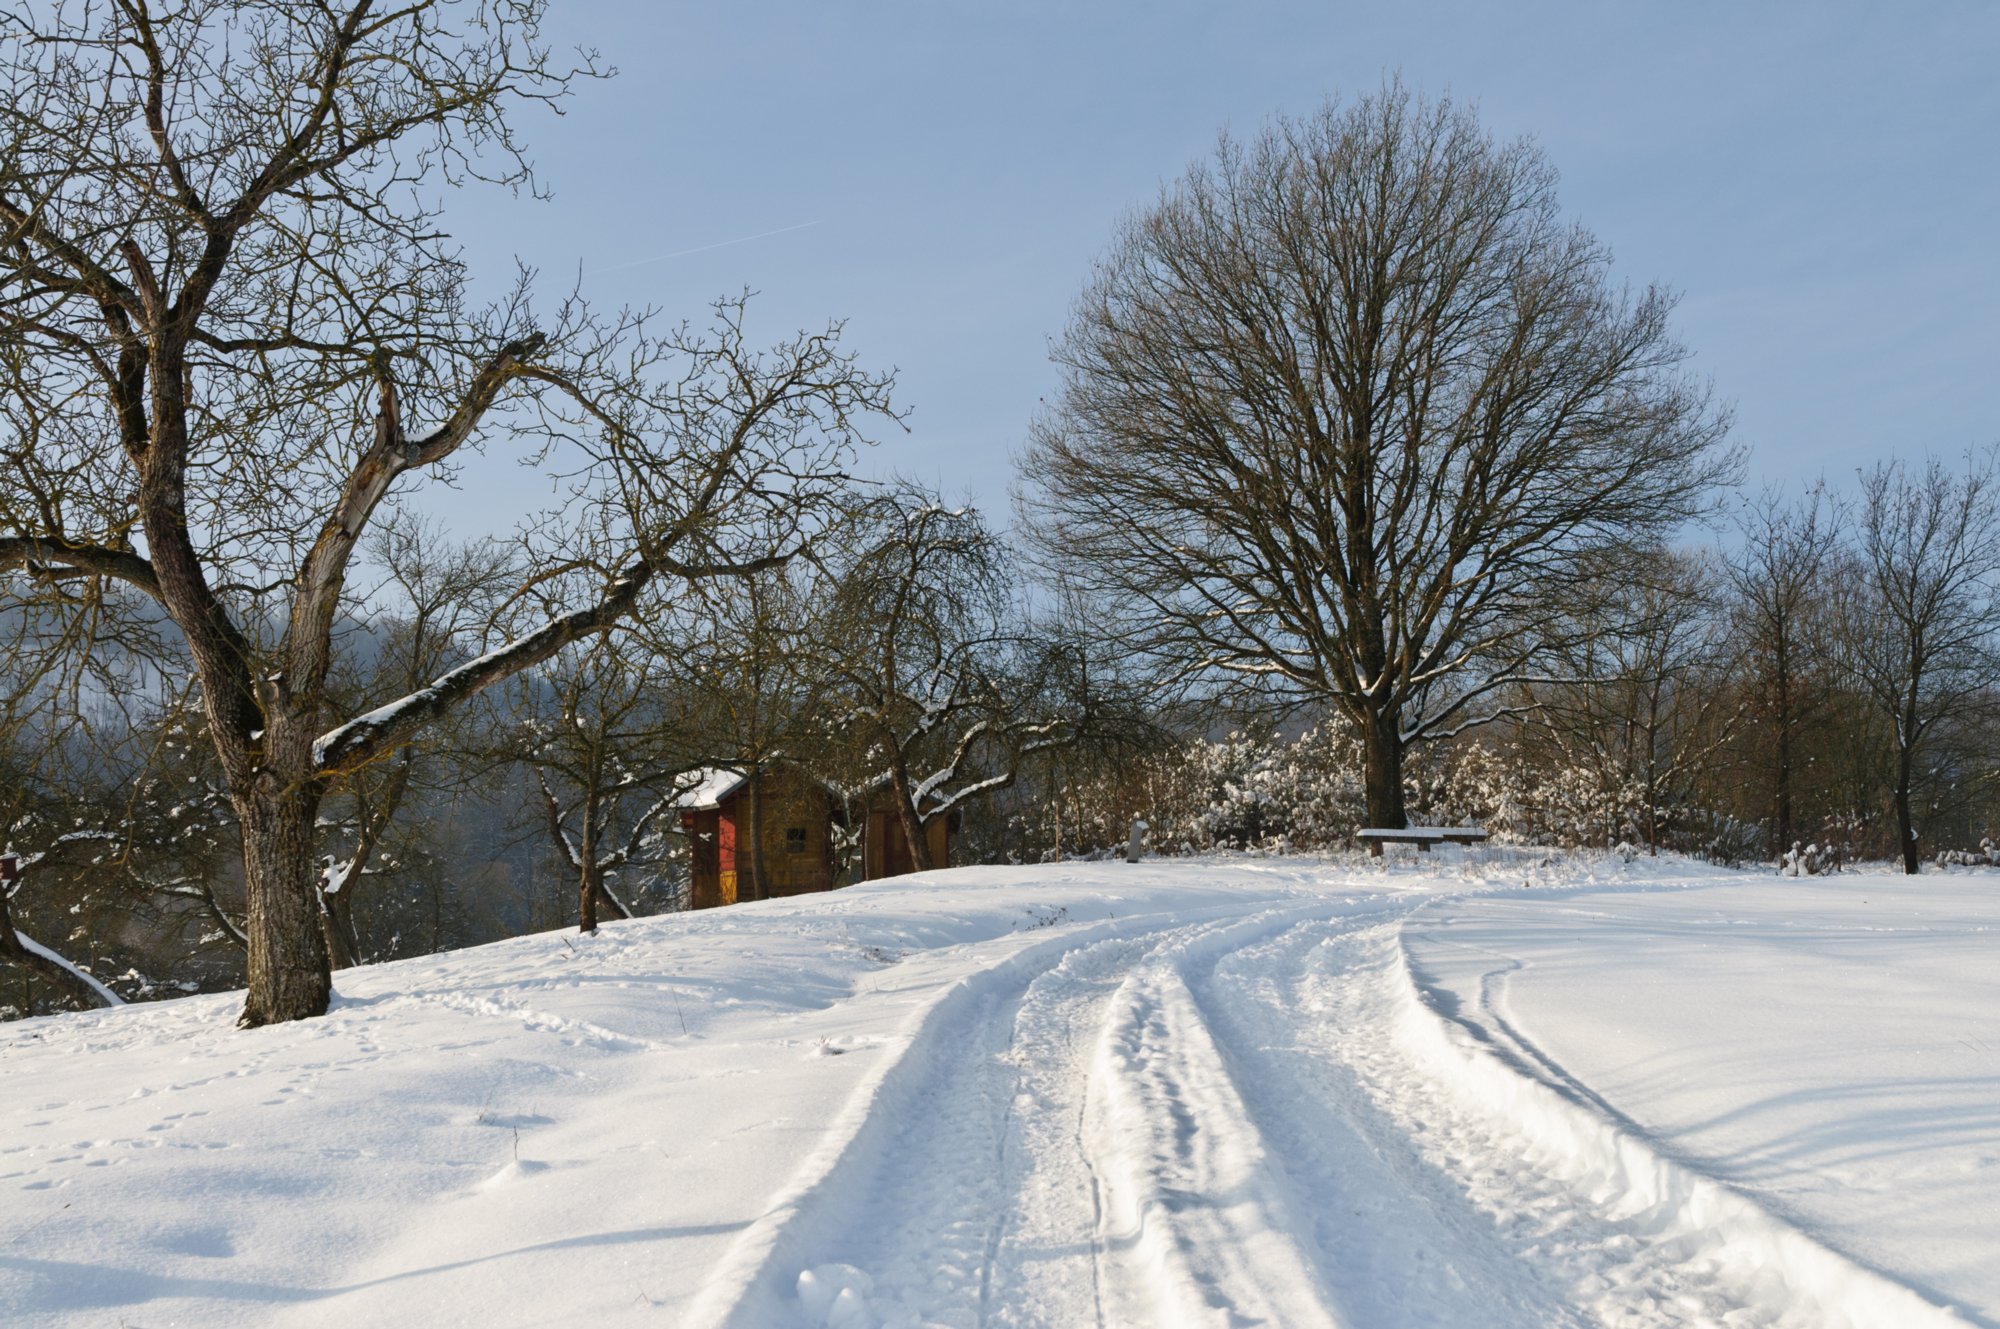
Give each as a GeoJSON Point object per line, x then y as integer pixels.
{"type": "Point", "coordinates": [1820, 182]}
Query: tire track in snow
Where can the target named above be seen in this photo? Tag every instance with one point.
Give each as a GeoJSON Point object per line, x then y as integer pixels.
{"type": "Point", "coordinates": [1696, 1251]}
{"type": "Point", "coordinates": [1582, 1211]}
{"type": "Point", "coordinates": [1238, 1120]}
{"type": "Point", "coordinates": [1196, 1219]}
{"type": "Point", "coordinates": [1398, 1243]}
{"type": "Point", "coordinates": [1494, 1029]}
{"type": "Point", "coordinates": [969, 1168]}
{"type": "Point", "coordinates": [1199, 1220]}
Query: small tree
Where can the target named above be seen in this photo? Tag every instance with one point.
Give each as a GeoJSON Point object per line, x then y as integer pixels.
{"type": "Point", "coordinates": [39, 830]}
{"type": "Point", "coordinates": [231, 329]}
{"type": "Point", "coordinates": [1645, 703]}
{"type": "Point", "coordinates": [435, 602]}
{"type": "Point", "coordinates": [1780, 603]}
{"type": "Point", "coordinates": [1921, 622]}
{"type": "Point", "coordinates": [17, 947]}
{"type": "Point", "coordinates": [606, 734]}
{"type": "Point", "coordinates": [748, 671]}
{"type": "Point", "coordinates": [942, 687]}
{"type": "Point", "coordinates": [1348, 410]}
{"type": "Point", "coordinates": [80, 767]}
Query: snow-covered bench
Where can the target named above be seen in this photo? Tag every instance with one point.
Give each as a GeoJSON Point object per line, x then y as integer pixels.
{"type": "Point", "coordinates": [1423, 837]}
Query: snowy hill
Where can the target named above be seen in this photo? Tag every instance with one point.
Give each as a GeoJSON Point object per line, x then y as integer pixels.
{"type": "Point", "coordinates": [1479, 1091]}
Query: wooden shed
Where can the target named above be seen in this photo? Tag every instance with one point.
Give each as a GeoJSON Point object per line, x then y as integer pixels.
{"type": "Point", "coordinates": [885, 849]}
{"type": "Point", "coordinates": [802, 821]}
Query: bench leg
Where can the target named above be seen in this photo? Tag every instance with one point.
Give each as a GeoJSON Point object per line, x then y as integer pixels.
{"type": "Point", "coordinates": [1423, 846]}
{"type": "Point", "coordinates": [1374, 848]}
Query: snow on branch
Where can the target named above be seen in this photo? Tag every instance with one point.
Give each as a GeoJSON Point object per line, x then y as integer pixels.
{"type": "Point", "coordinates": [80, 977]}
{"type": "Point", "coordinates": [367, 736]}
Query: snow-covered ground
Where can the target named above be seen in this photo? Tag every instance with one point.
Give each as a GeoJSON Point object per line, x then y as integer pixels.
{"type": "Point", "coordinates": [1477, 1088]}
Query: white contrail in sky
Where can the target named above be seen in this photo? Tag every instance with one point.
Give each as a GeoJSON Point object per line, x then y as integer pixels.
{"type": "Point", "coordinates": [701, 249]}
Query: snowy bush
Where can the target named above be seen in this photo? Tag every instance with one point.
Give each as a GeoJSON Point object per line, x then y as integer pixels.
{"type": "Point", "coordinates": [1845, 838]}
{"type": "Point", "coordinates": [1269, 792]}
{"type": "Point", "coordinates": [1264, 792]}
{"type": "Point", "coordinates": [1522, 801]}
{"type": "Point", "coordinates": [1986, 856]}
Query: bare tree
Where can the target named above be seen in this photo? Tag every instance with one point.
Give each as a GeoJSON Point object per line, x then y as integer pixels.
{"type": "Point", "coordinates": [30, 816]}
{"type": "Point", "coordinates": [17, 947]}
{"type": "Point", "coordinates": [608, 739]}
{"type": "Point", "coordinates": [1778, 583]}
{"type": "Point", "coordinates": [226, 317]}
{"type": "Point", "coordinates": [172, 833]}
{"type": "Point", "coordinates": [750, 676]}
{"type": "Point", "coordinates": [931, 669]}
{"type": "Point", "coordinates": [1921, 617]}
{"type": "Point", "coordinates": [70, 736]}
{"type": "Point", "coordinates": [1346, 411]}
{"type": "Point", "coordinates": [1645, 703]}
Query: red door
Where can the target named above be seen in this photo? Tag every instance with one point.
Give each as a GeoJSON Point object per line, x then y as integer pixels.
{"type": "Point", "coordinates": [725, 854]}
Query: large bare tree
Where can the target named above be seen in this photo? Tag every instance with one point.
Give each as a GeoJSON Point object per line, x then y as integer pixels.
{"type": "Point", "coordinates": [1344, 412]}
{"type": "Point", "coordinates": [1921, 614]}
{"type": "Point", "coordinates": [232, 328]}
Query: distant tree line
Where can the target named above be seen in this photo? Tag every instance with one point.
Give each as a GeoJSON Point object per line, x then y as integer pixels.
{"type": "Point", "coordinates": [1818, 687]}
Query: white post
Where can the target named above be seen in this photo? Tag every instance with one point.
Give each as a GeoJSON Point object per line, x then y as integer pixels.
{"type": "Point", "coordinates": [1133, 841]}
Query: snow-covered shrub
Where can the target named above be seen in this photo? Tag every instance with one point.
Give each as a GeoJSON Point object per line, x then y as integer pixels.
{"type": "Point", "coordinates": [1470, 785]}
{"type": "Point", "coordinates": [1270, 792]}
{"type": "Point", "coordinates": [1845, 837]}
{"type": "Point", "coordinates": [1263, 792]}
{"type": "Point", "coordinates": [1986, 856]}
{"type": "Point", "coordinates": [1523, 801]}
{"type": "Point", "coordinates": [1716, 836]}
{"type": "Point", "coordinates": [1273, 794]}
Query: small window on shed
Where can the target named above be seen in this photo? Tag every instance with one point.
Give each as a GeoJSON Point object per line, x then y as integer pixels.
{"type": "Point", "coordinates": [795, 839]}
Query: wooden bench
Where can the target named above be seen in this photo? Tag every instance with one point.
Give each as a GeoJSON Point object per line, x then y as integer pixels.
{"type": "Point", "coordinates": [1423, 837]}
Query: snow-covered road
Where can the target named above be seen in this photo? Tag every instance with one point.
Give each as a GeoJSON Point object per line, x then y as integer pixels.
{"type": "Point", "coordinates": [1180, 1094]}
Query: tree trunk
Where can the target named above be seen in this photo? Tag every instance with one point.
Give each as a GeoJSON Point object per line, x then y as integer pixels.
{"type": "Point", "coordinates": [1382, 769]}
{"type": "Point", "coordinates": [1652, 799]}
{"type": "Point", "coordinates": [906, 812]}
{"type": "Point", "coordinates": [1905, 826]}
{"type": "Point", "coordinates": [586, 875]}
{"type": "Point", "coordinates": [336, 915]}
{"type": "Point", "coordinates": [754, 860]}
{"type": "Point", "coordinates": [1784, 755]}
{"type": "Point", "coordinates": [343, 943]}
{"type": "Point", "coordinates": [1784, 809]}
{"type": "Point", "coordinates": [595, 901]}
{"type": "Point", "coordinates": [608, 903]}
{"type": "Point", "coordinates": [290, 976]}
